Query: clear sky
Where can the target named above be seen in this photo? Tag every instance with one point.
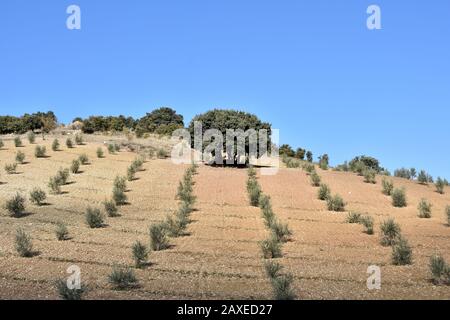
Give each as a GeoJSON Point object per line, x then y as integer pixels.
{"type": "Point", "coordinates": [311, 68]}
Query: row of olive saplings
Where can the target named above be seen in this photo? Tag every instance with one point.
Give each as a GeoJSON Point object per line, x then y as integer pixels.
{"type": "Point", "coordinates": [391, 235]}
{"type": "Point", "coordinates": [271, 247]}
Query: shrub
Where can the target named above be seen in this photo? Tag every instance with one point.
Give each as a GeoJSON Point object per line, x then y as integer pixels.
{"type": "Point", "coordinates": [69, 143]}
{"type": "Point", "coordinates": [367, 222]}
{"type": "Point", "coordinates": [175, 226]}
{"type": "Point", "coordinates": [11, 168]}
{"type": "Point", "coordinates": [369, 176]}
{"type": "Point", "coordinates": [69, 294]}
{"type": "Point", "coordinates": [94, 218]}
{"type": "Point", "coordinates": [447, 211]}
{"type": "Point", "coordinates": [122, 278]}
{"type": "Point", "coordinates": [2, 144]}
{"type": "Point", "coordinates": [323, 162]}
{"type": "Point", "coordinates": [100, 153]}
{"type": "Point", "coordinates": [335, 203]}
{"type": "Point", "coordinates": [17, 142]}
{"type": "Point", "coordinates": [55, 145]}
{"type": "Point", "coordinates": [315, 179]}
{"type": "Point", "coordinates": [78, 139]}
{"type": "Point", "coordinates": [354, 217]}
{"type": "Point", "coordinates": [62, 176]}
{"type": "Point", "coordinates": [140, 254]}
{"type": "Point", "coordinates": [390, 232]}
{"type": "Point", "coordinates": [119, 196]}
{"type": "Point", "coordinates": [111, 208]}
{"type": "Point", "coordinates": [401, 253]}
{"type": "Point", "coordinates": [388, 186]}
{"type": "Point", "coordinates": [55, 185]}
{"type": "Point", "coordinates": [158, 237]}
{"type": "Point", "coordinates": [359, 167]}
{"type": "Point", "coordinates": [282, 287]}
{"type": "Point", "coordinates": [111, 149]}
{"type": "Point", "coordinates": [399, 198]}
{"type": "Point", "coordinates": [309, 168]}
{"type": "Point", "coordinates": [266, 210]}
{"type": "Point", "coordinates": [424, 208]}
{"type": "Point", "coordinates": [75, 167]}
{"type": "Point", "coordinates": [440, 270]}
{"type": "Point", "coordinates": [273, 269]}
{"type": "Point", "coordinates": [440, 185]}
{"type": "Point", "coordinates": [422, 177]}
{"type": "Point", "coordinates": [84, 160]}
{"type": "Point", "coordinates": [39, 152]}
{"type": "Point", "coordinates": [324, 192]}
{"type": "Point", "coordinates": [254, 192]}
{"type": "Point", "coordinates": [120, 183]}
{"type": "Point", "coordinates": [23, 244]}
{"type": "Point", "coordinates": [38, 196]}
{"type": "Point", "coordinates": [271, 248]}
{"type": "Point", "coordinates": [20, 157]}
{"type": "Point", "coordinates": [131, 173]}
{"type": "Point", "coordinates": [16, 205]}
{"type": "Point", "coordinates": [162, 154]}
{"type": "Point", "coordinates": [61, 231]}
{"type": "Point", "coordinates": [31, 137]}
{"type": "Point", "coordinates": [281, 231]}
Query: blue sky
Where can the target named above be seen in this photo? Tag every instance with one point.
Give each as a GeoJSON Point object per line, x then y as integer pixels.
{"type": "Point", "coordinates": [311, 68]}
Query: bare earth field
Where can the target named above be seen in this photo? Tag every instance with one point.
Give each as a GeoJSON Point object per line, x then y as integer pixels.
{"type": "Point", "coordinates": [221, 258]}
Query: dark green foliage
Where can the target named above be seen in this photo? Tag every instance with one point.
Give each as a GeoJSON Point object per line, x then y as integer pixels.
{"type": "Point", "coordinates": [335, 203]}
{"type": "Point", "coordinates": [390, 231]}
{"type": "Point", "coordinates": [69, 143]}
{"type": "Point", "coordinates": [120, 183]}
{"type": "Point", "coordinates": [266, 210]}
{"type": "Point", "coordinates": [75, 167]}
{"type": "Point", "coordinates": [424, 208]}
{"type": "Point", "coordinates": [161, 121]}
{"type": "Point", "coordinates": [61, 232]}
{"type": "Point", "coordinates": [388, 187]}
{"type": "Point", "coordinates": [158, 237]}
{"type": "Point", "coordinates": [16, 205]}
{"type": "Point", "coordinates": [401, 253]}
{"type": "Point", "coordinates": [176, 226]}
{"type": "Point", "coordinates": [28, 122]}
{"type": "Point", "coordinates": [359, 167]}
{"type": "Point", "coordinates": [122, 278]}
{"type": "Point", "coordinates": [140, 254]}
{"type": "Point", "coordinates": [55, 145]}
{"type": "Point", "coordinates": [271, 248]}
{"type": "Point", "coordinates": [286, 150]}
{"type": "Point", "coordinates": [69, 294]}
{"type": "Point", "coordinates": [94, 218]}
{"type": "Point", "coordinates": [354, 217]}
{"type": "Point", "coordinates": [111, 149]}
{"type": "Point", "coordinates": [38, 196]}
{"type": "Point", "coordinates": [23, 244]}
{"type": "Point", "coordinates": [324, 192]}
{"type": "Point", "coordinates": [440, 270]}
{"type": "Point", "coordinates": [111, 208]}
{"type": "Point", "coordinates": [104, 124]}
{"type": "Point", "coordinates": [399, 198]}
{"type": "Point", "coordinates": [365, 162]}
{"type": "Point", "coordinates": [300, 154]}
{"type": "Point", "coordinates": [309, 156]}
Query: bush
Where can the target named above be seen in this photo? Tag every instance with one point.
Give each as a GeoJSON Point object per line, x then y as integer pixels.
{"type": "Point", "coordinates": [324, 192]}
{"type": "Point", "coordinates": [111, 149]}
{"type": "Point", "coordinates": [100, 153]}
{"type": "Point", "coordinates": [120, 183]}
{"type": "Point", "coordinates": [309, 168]}
{"type": "Point", "coordinates": [16, 205]}
{"type": "Point", "coordinates": [79, 139]}
{"type": "Point", "coordinates": [390, 232]}
{"type": "Point", "coordinates": [122, 278]}
{"type": "Point", "coordinates": [158, 237]}
{"type": "Point", "coordinates": [63, 176]}
{"type": "Point", "coordinates": [140, 254]}
{"type": "Point", "coordinates": [254, 192]}
{"type": "Point", "coordinates": [23, 244]}
{"type": "Point", "coordinates": [2, 144]}
{"type": "Point", "coordinates": [447, 211]}
{"type": "Point", "coordinates": [18, 142]}
{"type": "Point", "coordinates": [354, 217]}
{"type": "Point", "coordinates": [55, 185]}
{"type": "Point", "coordinates": [424, 208]}
{"type": "Point", "coordinates": [335, 203]}
{"type": "Point", "coordinates": [61, 231]}
{"type": "Point", "coordinates": [401, 253]}
{"type": "Point", "coordinates": [55, 145]}
{"type": "Point", "coordinates": [440, 270]}
{"type": "Point", "coordinates": [38, 196]}
{"type": "Point", "coordinates": [39, 152]}
{"type": "Point", "coordinates": [282, 287]}
{"type": "Point", "coordinates": [440, 185]}
{"type": "Point", "coordinates": [119, 196]}
{"type": "Point", "coordinates": [75, 167]}
{"type": "Point", "coordinates": [367, 222]}
{"type": "Point", "coordinates": [271, 248]}
{"type": "Point", "coordinates": [369, 176]}
{"type": "Point", "coordinates": [399, 198]}
{"type": "Point", "coordinates": [273, 269]}
{"type": "Point", "coordinates": [281, 231]}
{"type": "Point", "coordinates": [20, 157]}
{"type": "Point", "coordinates": [422, 177]}
{"type": "Point", "coordinates": [315, 179]}
{"type": "Point", "coordinates": [116, 147]}
{"type": "Point", "coordinates": [31, 137]}
{"type": "Point", "coordinates": [131, 173]}
{"type": "Point", "coordinates": [162, 154]}
{"type": "Point", "coordinates": [94, 218]}
{"type": "Point", "coordinates": [84, 160]}
{"type": "Point", "coordinates": [388, 187]}
{"type": "Point", "coordinates": [69, 294]}
{"type": "Point", "coordinates": [175, 226]}
{"type": "Point", "coordinates": [266, 210]}
{"type": "Point", "coordinates": [359, 167]}
{"type": "Point", "coordinates": [11, 168]}
{"type": "Point", "coordinates": [324, 162]}
{"type": "Point", "coordinates": [111, 208]}
{"type": "Point", "coordinates": [69, 143]}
